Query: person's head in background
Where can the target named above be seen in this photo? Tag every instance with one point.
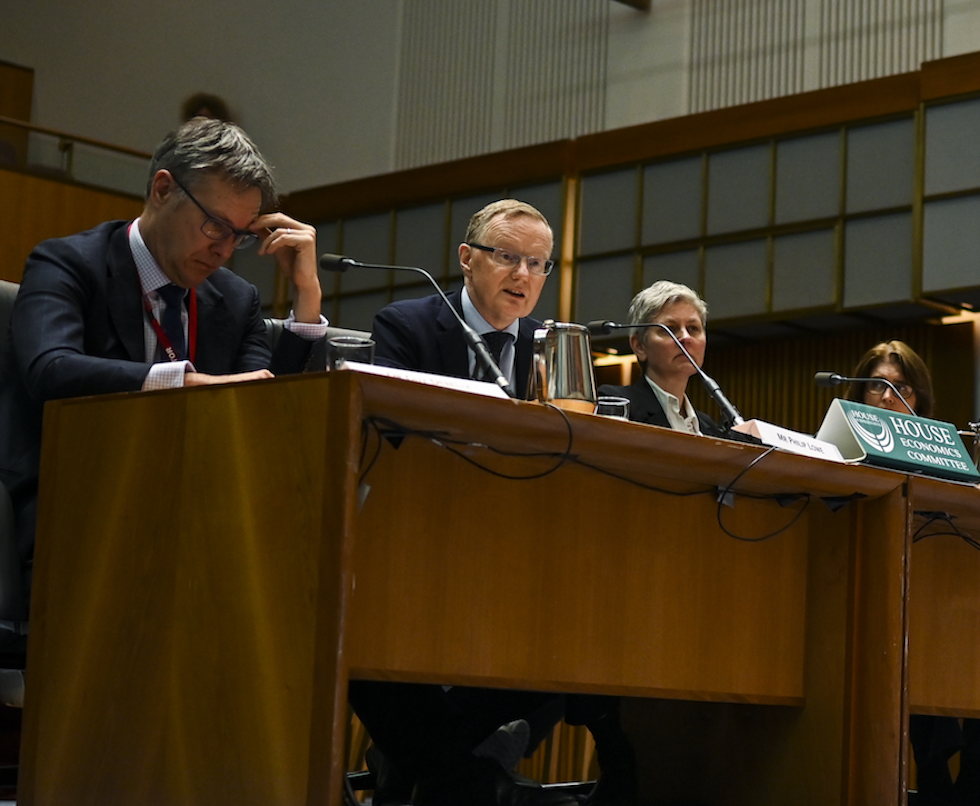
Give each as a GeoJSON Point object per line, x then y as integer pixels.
{"type": "Point", "coordinates": [897, 362]}
{"type": "Point", "coordinates": [679, 308]}
{"type": "Point", "coordinates": [205, 105]}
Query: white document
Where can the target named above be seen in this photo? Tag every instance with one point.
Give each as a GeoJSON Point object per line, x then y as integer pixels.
{"type": "Point", "coordinates": [429, 379]}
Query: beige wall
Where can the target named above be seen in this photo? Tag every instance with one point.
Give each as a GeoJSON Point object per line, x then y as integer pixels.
{"type": "Point", "coordinates": [320, 85]}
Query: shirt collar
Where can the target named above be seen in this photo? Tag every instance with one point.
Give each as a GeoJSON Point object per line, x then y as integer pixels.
{"type": "Point", "coordinates": [475, 320]}
{"type": "Point", "coordinates": [149, 271]}
{"type": "Point", "coordinates": [680, 413]}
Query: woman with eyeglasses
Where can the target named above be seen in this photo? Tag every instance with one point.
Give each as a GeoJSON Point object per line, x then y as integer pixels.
{"type": "Point", "coordinates": [893, 361]}
{"type": "Point", "coordinates": [935, 739]}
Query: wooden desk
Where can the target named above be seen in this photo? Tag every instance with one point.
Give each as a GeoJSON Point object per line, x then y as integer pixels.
{"type": "Point", "coordinates": [944, 604]}
{"type": "Point", "coordinates": [206, 580]}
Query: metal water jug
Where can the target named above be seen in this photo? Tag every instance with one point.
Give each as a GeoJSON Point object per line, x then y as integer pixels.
{"type": "Point", "coordinates": [561, 372]}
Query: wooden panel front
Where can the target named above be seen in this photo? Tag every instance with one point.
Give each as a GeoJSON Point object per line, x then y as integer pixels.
{"type": "Point", "coordinates": [573, 582]}
{"type": "Point", "coordinates": [944, 603]}
{"type": "Point", "coordinates": [876, 741]}
{"type": "Point", "coordinates": [190, 639]}
{"type": "Point", "coordinates": [821, 753]}
{"type": "Point", "coordinates": [843, 744]}
{"type": "Point", "coordinates": [173, 629]}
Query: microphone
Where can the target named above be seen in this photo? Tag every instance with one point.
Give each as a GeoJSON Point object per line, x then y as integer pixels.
{"type": "Point", "coordinates": [601, 327]}
{"type": "Point", "coordinates": [484, 360]}
{"type": "Point", "coordinates": [833, 379]}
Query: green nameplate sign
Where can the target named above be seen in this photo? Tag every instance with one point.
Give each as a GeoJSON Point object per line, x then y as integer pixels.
{"type": "Point", "coordinates": [900, 441]}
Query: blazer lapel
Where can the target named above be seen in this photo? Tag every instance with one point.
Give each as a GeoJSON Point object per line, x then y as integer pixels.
{"type": "Point", "coordinates": [645, 407]}
{"type": "Point", "coordinates": [450, 342]}
{"type": "Point", "coordinates": [523, 353]}
{"type": "Point", "coordinates": [124, 297]}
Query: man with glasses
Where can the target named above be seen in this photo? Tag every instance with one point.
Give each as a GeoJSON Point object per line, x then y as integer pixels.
{"type": "Point", "coordinates": [505, 258]}
{"type": "Point", "coordinates": [425, 733]}
{"type": "Point", "coordinates": [146, 304]}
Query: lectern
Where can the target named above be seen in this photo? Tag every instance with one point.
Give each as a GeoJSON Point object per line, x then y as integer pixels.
{"type": "Point", "coordinates": [213, 564]}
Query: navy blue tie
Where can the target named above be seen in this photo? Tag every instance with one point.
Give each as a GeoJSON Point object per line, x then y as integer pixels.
{"type": "Point", "coordinates": [170, 320]}
{"type": "Point", "coordinates": [495, 342]}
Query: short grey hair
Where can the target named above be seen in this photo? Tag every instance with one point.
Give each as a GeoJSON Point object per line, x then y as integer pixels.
{"type": "Point", "coordinates": [508, 208]}
{"type": "Point", "coordinates": [651, 301]}
{"type": "Point", "coordinates": [207, 146]}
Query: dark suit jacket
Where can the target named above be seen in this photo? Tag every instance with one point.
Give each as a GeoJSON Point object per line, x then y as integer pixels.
{"type": "Point", "coordinates": [422, 334]}
{"type": "Point", "coordinates": [77, 329]}
{"type": "Point", "coordinates": [645, 408]}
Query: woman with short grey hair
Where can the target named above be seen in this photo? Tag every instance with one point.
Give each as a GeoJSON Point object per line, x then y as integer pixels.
{"type": "Point", "coordinates": [659, 396]}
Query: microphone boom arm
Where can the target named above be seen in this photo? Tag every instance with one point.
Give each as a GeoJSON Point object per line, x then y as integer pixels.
{"type": "Point", "coordinates": [729, 412]}
{"type": "Point", "coordinates": [833, 379]}
{"type": "Point", "coordinates": [484, 358]}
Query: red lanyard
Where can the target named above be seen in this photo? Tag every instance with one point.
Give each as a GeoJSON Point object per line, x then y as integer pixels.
{"type": "Point", "coordinates": [191, 329]}
{"type": "Point", "coordinates": [161, 336]}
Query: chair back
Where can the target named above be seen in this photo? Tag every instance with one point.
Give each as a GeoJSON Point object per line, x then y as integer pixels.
{"type": "Point", "coordinates": [8, 293]}
{"type": "Point", "coordinates": [11, 586]}
{"type": "Point", "coordinates": [11, 603]}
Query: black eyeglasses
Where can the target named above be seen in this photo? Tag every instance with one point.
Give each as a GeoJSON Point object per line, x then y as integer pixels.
{"type": "Point", "coordinates": [878, 388]}
{"type": "Point", "coordinates": [218, 230]}
{"type": "Point", "coordinates": [511, 260]}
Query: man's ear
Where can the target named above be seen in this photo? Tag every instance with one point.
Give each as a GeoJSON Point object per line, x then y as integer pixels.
{"type": "Point", "coordinates": [465, 253]}
{"type": "Point", "coordinates": [162, 188]}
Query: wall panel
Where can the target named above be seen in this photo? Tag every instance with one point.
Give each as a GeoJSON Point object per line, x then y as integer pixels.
{"type": "Point", "coordinates": [35, 208]}
{"type": "Point", "coordinates": [528, 73]}
{"type": "Point", "coordinates": [749, 50]}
